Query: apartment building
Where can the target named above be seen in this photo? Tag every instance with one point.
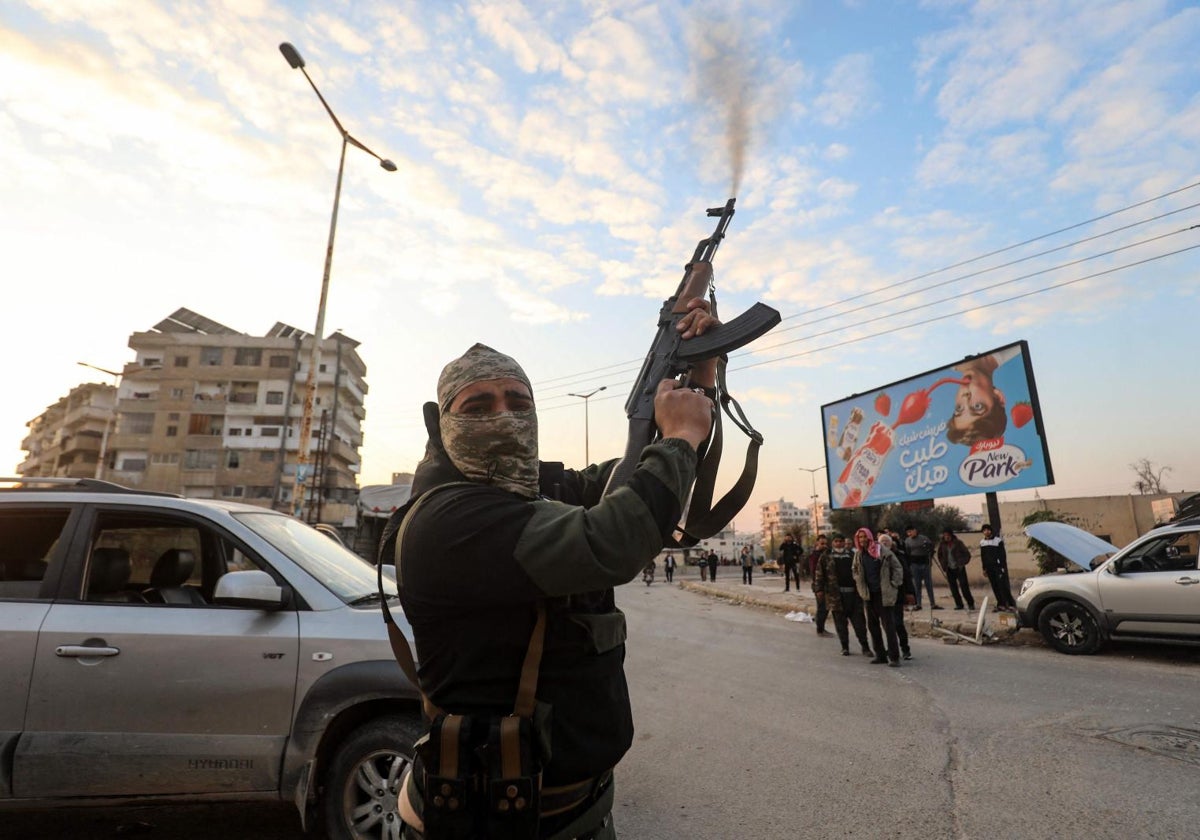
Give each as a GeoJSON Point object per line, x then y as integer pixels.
{"type": "Point", "coordinates": [209, 412]}
{"type": "Point", "coordinates": [779, 517]}
{"type": "Point", "coordinates": [66, 439]}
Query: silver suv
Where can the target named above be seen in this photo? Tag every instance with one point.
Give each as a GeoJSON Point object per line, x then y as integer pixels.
{"type": "Point", "coordinates": [1149, 591]}
{"type": "Point", "coordinates": [181, 649]}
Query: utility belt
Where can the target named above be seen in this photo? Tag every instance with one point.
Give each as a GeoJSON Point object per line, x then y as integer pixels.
{"type": "Point", "coordinates": [563, 798]}
{"type": "Point", "coordinates": [847, 589]}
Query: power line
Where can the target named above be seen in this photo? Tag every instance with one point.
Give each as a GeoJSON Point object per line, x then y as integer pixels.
{"type": "Point", "coordinates": [988, 305]}
{"type": "Point", "coordinates": [974, 291]}
{"type": "Point", "coordinates": [936, 318]}
{"type": "Point", "coordinates": [981, 271]}
{"type": "Point", "coordinates": [619, 368]}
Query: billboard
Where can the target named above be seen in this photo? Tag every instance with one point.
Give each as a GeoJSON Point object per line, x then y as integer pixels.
{"type": "Point", "coordinates": [971, 427]}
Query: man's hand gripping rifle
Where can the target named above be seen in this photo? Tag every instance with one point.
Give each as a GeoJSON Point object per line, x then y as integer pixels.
{"type": "Point", "coordinates": [672, 357]}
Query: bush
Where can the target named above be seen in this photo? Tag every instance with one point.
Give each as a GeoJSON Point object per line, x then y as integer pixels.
{"type": "Point", "coordinates": [1048, 562]}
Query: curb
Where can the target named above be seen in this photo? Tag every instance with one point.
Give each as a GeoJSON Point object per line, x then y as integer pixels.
{"type": "Point", "coordinates": [918, 624]}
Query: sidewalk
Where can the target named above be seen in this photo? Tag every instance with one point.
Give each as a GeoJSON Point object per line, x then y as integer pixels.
{"type": "Point", "coordinates": [767, 593]}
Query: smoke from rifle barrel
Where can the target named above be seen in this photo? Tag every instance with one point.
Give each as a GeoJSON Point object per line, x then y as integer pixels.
{"type": "Point", "coordinates": [726, 80]}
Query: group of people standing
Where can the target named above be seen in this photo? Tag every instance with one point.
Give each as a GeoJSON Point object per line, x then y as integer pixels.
{"type": "Point", "coordinates": [866, 585]}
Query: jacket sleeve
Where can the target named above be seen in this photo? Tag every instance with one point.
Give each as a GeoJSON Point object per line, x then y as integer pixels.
{"type": "Point", "coordinates": [566, 549]}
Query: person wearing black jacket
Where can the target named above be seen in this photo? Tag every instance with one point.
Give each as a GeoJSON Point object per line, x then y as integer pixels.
{"type": "Point", "coordinates": [995, 565]}
{"type": "Point", "coordinates": [953, 556]}
{"type": "Point", "coordinates": [790, 554]}
{"type": "Point", "coordinates": [490, 541]}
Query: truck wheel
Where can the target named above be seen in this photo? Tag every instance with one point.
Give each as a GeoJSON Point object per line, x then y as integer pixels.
{"type": "Point", "coordinates": [1069, 628]}
{"type": "Point", "coordinates": [359, 796]}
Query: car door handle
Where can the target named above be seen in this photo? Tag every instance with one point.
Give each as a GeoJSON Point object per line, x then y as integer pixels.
{"type": "Point", "coordinates": [85, 650]}
{"type": "Point", "coordinates": [1187, 581]}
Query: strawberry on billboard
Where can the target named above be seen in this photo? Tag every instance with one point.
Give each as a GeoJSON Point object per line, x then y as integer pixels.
{"type": "Point", "coordinates": [971, 427]}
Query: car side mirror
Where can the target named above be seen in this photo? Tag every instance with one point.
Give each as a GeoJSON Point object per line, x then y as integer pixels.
{"type": "Point", "coordinates": [254, 589]}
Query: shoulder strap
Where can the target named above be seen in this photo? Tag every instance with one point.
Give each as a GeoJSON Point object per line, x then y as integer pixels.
{"type": "Point", "coordinates": [703, 517]}
{"type": "Point", "coordinates": [402, 650]}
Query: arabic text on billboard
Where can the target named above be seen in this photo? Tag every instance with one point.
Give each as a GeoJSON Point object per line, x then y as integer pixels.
{"type": "Point", "coordinates": [972, 427]}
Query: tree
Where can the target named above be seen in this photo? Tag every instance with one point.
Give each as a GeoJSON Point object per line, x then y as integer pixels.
{"type": "Point", "coordinates": [1149, 480]}
{"type": "Point", "coordinates": [1048, 561]}
{"type": "Point", "coordinates": [930, 522]}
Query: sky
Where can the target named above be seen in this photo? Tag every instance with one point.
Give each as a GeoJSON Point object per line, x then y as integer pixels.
{"type": "Point", "coordinates": [916, 182]}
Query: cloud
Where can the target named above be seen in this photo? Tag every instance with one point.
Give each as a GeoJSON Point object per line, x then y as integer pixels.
{"type": "Point", "coordinates": [848, 92]}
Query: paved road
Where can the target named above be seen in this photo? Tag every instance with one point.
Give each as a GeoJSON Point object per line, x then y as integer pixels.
{"type": "Point", "coordinates": [752, 726]}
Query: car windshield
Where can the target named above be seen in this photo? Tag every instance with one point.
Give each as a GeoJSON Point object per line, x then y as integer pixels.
{"type": "Point", "coordinates": [342, 571]}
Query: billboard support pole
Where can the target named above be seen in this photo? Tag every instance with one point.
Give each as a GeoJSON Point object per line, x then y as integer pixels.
{"type": "Point", "coordinates": [993, 512]}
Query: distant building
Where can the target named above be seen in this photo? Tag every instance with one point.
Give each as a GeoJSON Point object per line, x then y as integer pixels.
{"type": "Point", "coordinates": [727, 543]}
{"type": "Point", "coordinates": [65, 439]}
{"type": "Point", "coordinates": [209, 412]}
{"type": "Point", "coordinates": [818, 513]}
{"type": "Point", "coordinates": [779, 517]}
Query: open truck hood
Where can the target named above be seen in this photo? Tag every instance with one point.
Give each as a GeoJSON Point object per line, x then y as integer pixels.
{"type": "Point", "coordinates": [1073, 543]}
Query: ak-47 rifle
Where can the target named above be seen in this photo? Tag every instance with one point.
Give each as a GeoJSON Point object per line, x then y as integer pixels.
{"type": "Point", "coordinates": [672, 357]}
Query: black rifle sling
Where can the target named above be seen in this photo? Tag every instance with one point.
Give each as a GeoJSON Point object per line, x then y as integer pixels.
{"type": "Point", "coordinates": [703, 518]}
{"type": "Point", "coordinates": [526, 689]}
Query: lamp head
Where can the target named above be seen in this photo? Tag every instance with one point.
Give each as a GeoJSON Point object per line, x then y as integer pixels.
{"type": "Point", "coordinates": [292, 55]}
{"type": "Point", "coordinates": [388, 165]}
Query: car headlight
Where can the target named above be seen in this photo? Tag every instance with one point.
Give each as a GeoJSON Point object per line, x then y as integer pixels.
{"type": "Point", "coordinates": [1026, 586]}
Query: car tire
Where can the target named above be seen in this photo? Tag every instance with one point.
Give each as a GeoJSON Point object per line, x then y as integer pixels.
{"type": "Point", "coordinates": [1069, 627]}
{"type": "Point", "coordinates": [359, 795]}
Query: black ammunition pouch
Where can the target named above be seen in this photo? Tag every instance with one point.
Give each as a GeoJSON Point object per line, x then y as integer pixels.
{"type": "Point", "coordinates": [481, 777]}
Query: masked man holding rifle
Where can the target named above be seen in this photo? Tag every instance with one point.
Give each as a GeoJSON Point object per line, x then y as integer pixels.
{"type": "Point", "coordinates": [506, 567]}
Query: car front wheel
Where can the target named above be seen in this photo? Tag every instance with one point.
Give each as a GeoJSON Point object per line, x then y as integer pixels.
{"type": "Point", "coordinates": [1069, 628]}
{"type": "Point", "coordinates": [362, 787]}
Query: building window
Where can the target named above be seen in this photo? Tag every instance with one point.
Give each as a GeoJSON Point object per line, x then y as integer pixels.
{"type": "Point", "coordinates": [245, 393]}
{"type": "Point", "coordinates": [181, 361]}
{"type": "Point", "coordinates": [206, 424]}
{"type": "Point", "coordinates": [176, 393]}
{"type": "Point", "coordinates": [235, 432]}
{"type": "Point", "coordinates": [172, 431]}
{"type": "Point", "coordinates": [164, 458]}
{"type": "Point", "coordinates": [269, 431]}
{"type": "Point", "coordinates": [133, 465]}
{"type": "Point", "coordinates": [173, 416]}
{"type": "Point", "coordinates": [233, 492]}
{"type": "Point", "coordinates": [248, 356]}
{"type": "Point", "coordinates": [151, 362]}
{"type": "Point", "coordinates": [211, 356]}
{"type": "Point", "coordinates": [280, 362]}
{"type": "Point", "coordinates": [274, 397]}
{"type": "Point", "coordinates": [200, 459]}
{"type": "Point", "coordinates": [321, 368]}
{"type": "Point", "coordinates": [231, 459]}
{"type": "Point", "coordinates": [137, 423]}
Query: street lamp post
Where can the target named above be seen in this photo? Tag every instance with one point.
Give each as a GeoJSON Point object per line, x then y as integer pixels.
{"type": "Point", "coordinates": [587, 458]}
{"type": "Point", "coordinates": [310, 383]}
{"type": "Point", "coordinates": [108, 421]}
{"type": "Point", "coordinates": [813, 474]}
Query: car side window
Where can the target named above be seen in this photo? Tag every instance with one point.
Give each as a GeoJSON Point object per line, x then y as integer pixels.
{"type": "Point", "coordinates": [27, 542]}
{"type": "Point", "coordinates": [157, 559]}
{"type": "Point", "coordinates": [1168, 553]}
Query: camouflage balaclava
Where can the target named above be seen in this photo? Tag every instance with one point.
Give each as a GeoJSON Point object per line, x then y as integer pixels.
{"type": "Point", "coordinates": [498, 449]}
